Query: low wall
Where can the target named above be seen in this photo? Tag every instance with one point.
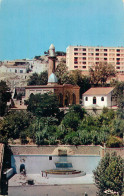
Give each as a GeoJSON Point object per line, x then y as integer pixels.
{"type": "Point", "coordinates": [9, 173]}
{"type": "Point", "coordinates": [119, 151]}
{"type": "Point", "coordinates": [53, 149]}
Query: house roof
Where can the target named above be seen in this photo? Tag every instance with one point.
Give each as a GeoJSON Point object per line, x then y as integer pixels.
{"type": "Point", "coordinates": [99, 91]}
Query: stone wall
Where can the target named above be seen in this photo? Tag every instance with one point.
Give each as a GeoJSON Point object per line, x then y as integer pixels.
{"type": "Point", "coordinates": [53, 149]}
{"type": "Point", "coordinates": [119, 151]}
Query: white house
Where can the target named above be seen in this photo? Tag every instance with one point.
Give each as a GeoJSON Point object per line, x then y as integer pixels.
{"type": "Point", "coordinates": [98, 97]}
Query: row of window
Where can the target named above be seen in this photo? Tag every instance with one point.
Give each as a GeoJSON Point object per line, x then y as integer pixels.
{"type": "Point", "coordinates": [94, 99]}
{"type": "Point", "coordinates": [84, 62]}
{"type": "Point", "coordinates": [97, 49]}
{"type": "Point", "coordinates": [97, 58]}
{"type": "Point", "coordinates": [97, 54]}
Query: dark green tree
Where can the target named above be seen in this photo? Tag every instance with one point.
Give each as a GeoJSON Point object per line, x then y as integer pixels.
{"type": "Point", "coordinates": [118, 94]}
{"type": "Point", "coordinates": [82, 81]}
{"type": "Point", "coordinates": [77, 109]}
{"type": "Point", "coordinates": [71, 120]}
{"type": "Point", "coordinates": [38, 79]}
{"type": "Point", "coordinates": [5, 96]}
{"type": "Point", "coordinates": [45, 105]}
{"type": "Point", "coordinates": [109, 174]}
{"type": "Point", "coordinates": [15, 124]}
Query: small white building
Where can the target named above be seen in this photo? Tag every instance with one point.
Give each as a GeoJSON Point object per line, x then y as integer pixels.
{"type": "Point", "coordinates": [98, 97]}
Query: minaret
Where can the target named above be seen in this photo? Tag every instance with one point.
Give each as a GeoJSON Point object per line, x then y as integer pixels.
{"type": "Point", "coordinates": [52, 60]}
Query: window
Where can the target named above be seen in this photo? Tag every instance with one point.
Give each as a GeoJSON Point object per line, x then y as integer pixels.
{"type": "Point", "coordinates": [97, 59]}
{"type": "Point", "coordinates": [97, 49]}
{"type": "Point", "coordinates": [21, 71]}
{"type": "Point", "coordinates": [75, 49]}
{"type": "Point", "coordinates": [105, 49]}
{"type": "Point", "coordinates": [86, 98]}
{"type": "Point", "coordinates": [118, 50]}
{"type": "Point", "coordinates": [84, 54]}
{"type": "Point", "coordinates": [94, 100]}
{"type": "Point", "coordinates": [75, 53]}
{"type": "Point", "coordinates": [117, 67]}
{"type": "Point", "coordinates": [105, 59]}
{"type": "Point", "coordinates": [97, 54]}
{"type": "Point", "coordinates": [50, 157]}
{"type": "Point", "coordinates": [84, 49]}
{"type": "Point", "coordinates": [105, 54]}
{"type": "Point", "coordinates": [75, 60]}
{"type": "Point", "coordinates": [118, 54]}
{"type": "Point", "coordinates": [15, 70]}
{"type": "Point", "coordinates": [84, 58]}
{"type": "Point", "coordinates": [75, 66]}
{"type": "Point", "coordinates": [118, 63]}
{"type": "Point", "coordinates": [84, 67]}
{"type": "Point", "coordinates": [102, 98]}
{"type": "Point", "coordinates": [84, 62]}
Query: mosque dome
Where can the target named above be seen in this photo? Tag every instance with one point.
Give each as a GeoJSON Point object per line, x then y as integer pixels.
{"type": "Point", "coordinates": [52, 78]}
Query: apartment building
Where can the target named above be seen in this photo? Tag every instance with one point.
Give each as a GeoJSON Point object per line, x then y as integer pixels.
{"type": "Point", "coordinates": [83, 57]}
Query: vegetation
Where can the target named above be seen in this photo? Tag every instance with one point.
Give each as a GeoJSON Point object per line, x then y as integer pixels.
{"type": "Point", "coordinates": [101, 72]}
{"type": "Point", "coordinates": [5, 96]}
{"type": "Point", "coordinates": [109, 175]}
{"type": "Point", "coordinates": [44, 123]}
{"type": "Point", "coordinates": [118, 94]}
{"type": "Point", "coordinates": [38, 79]}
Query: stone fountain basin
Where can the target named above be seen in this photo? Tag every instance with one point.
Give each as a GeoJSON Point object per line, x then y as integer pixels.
{"type": "Point", "coordinates": [64, 173]}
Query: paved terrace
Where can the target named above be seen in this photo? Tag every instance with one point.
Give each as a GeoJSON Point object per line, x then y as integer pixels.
{"type": "Point", "coordinates": [20, 180]}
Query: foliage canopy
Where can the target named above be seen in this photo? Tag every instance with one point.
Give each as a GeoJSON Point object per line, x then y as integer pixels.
{"type": "Point", "coordinates": [109, 174]}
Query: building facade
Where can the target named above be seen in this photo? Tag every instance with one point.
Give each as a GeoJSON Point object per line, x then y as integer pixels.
{"type": "Point", "coordinates": [98, 97]}
{"type": "Point", "coordinates": [83, 57]}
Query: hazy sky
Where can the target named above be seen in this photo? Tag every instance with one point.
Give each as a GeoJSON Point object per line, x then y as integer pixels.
{"type": "Point", "coordinates": [28, 27]}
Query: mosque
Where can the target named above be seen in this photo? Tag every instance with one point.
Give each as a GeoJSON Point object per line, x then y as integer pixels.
{"type": "Point", "coordinates": [67, 94]}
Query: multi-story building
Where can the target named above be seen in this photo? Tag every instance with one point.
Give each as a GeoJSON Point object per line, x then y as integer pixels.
{"type": "Point", "coordinates": [83, 57]}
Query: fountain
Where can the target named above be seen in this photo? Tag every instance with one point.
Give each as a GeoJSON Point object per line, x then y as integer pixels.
{"type": "Point", "coordinates": [64, 168]}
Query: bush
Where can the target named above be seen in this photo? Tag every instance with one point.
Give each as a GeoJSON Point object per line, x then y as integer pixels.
{"type": "Point", "coordinates": [114, 142]}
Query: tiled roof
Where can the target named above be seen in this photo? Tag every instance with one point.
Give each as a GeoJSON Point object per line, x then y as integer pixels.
{"type": "Point", "coordinates": [99, 91]}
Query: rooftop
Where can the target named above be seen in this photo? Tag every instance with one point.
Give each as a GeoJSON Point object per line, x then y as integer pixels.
{"type": "Point", "coordinates": [99, 91]}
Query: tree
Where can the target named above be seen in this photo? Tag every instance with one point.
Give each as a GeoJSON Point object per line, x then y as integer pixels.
{"type": "Point", "coordinates": [109, 174]}
{"type": "Point", "coordinates": [82, 81]}
{"type": "Point", "coordinates": [77, 110]}
{"type": "Point", "coordinates": [45, 105]}
{"type": "Point", "coordinates": [63, 75]}
{"type": "Point", "coordinates": [101, 72]}
{"type": "Point", "coordinates": [5, 96]}
{"type": "Point", "coordinates": [71, 120]}
{"type": "Point", "coordinates": [118, 94]}
{"type": "Point", "coordinates": [16, 124]}
{"type": "Point", "coordinates": [38, 79]}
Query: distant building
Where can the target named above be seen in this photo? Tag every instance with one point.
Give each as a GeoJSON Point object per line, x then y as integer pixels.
{"type": "Point", "coordinates": [83, 57]}
{"type": "Point", "coordinates": [17, 67]}
{"type": "Point", "coordinates": [98, 97]}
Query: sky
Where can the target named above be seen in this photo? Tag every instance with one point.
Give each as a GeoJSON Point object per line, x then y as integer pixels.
{"type": "Point", "coordinates": [29, 27]}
